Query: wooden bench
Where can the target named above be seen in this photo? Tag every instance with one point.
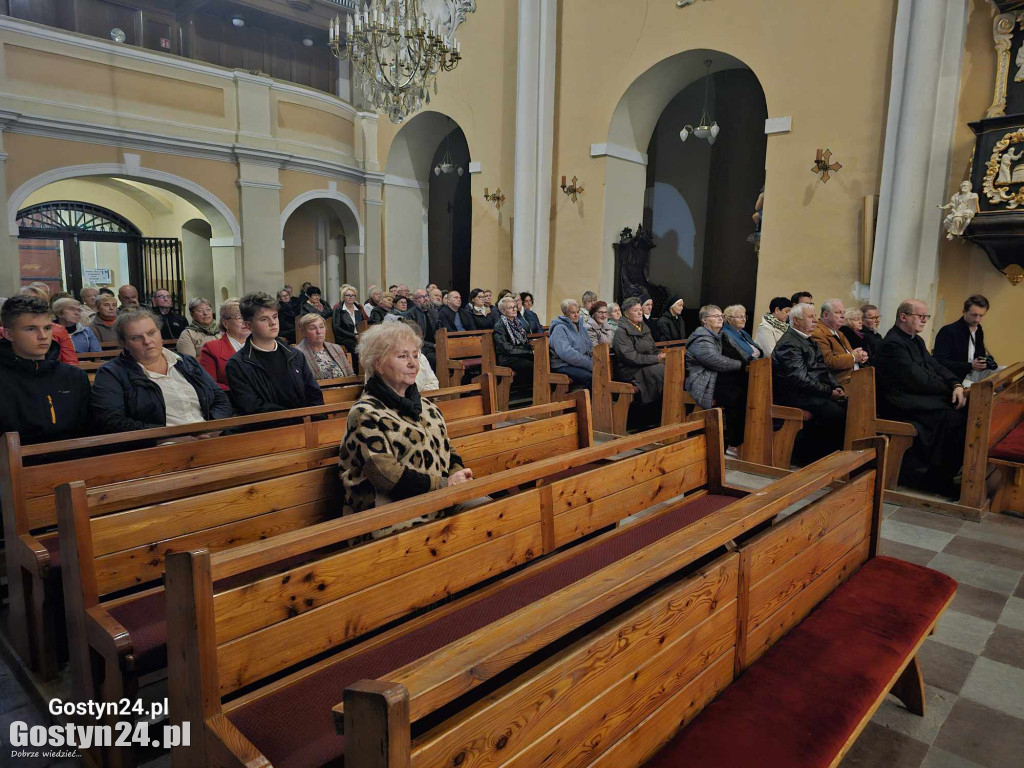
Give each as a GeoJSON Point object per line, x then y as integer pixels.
{"type": "Point", "coordinates": [994, 418]}
{"type": "Point", "coordinates": [29, 476]}
{"type": "Point", "coordinates": [548, 386]}
{"type": "Point", "coordinates": [862, 421]}
{"type": "Point", "coordinates": [114, 540]}
{"type": "Point", "coordinates": [459, 353]}
{"type": "Point", "coordinates": [612, 696]}
{"type": "Point", "coordinates": [222, 643]}
{"type": "Point", "coordinates": [611, 398]}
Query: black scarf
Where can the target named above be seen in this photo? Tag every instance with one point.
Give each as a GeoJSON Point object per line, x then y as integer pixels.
{"type": "Point", "coordinates": [410, 405]}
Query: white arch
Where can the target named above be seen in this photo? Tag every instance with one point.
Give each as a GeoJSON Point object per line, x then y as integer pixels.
{"type": "Point", "coordinates": [222, 220]}
{"type": "Point", "coordinates": [348, 215]}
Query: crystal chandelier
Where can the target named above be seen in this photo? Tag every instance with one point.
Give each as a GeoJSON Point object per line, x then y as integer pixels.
{"type": "Point", "coordinates": [707, 129]}
{"type": "Point", "coordinates": [397, 51]}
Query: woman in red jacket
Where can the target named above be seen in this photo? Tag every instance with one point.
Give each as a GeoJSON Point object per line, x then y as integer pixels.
{"type": "Point", "coordinates": [215, 354]}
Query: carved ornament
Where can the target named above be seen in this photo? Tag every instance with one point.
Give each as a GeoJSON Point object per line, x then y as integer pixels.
{"type": "Point", "coordinates": [448, 14]}
{"type": "Point", "coordinates": [1002, 32]}
{"type": "Point", "coordinates": [997, 187]}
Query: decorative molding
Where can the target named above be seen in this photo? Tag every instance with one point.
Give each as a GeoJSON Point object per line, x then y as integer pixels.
{"type": "Point", "coordinates": [1002, 32]}
{"type": "Point", "coordinates": [374, 202]}
{"type": "Point", "coordinates": [448, 14]}
{"type": "Point", "coordinates": [619, 152]}
{"type": "Point", "coordinates": [148, 175]}
{"type": "Point", "coordinates": [774, 125]}
{"type": "Point", "coordinates": [354, 249]}
{"type": "Point", "coordinates": [258, 184]}
{"type": "Point", "coordinates": [390, 180]}
{"type": "Point", "coordinates": [222, 242]}
{"type": "Point", "coordinates": [322, 96]}
{"type": "Point", "coordinates": [327, 194]}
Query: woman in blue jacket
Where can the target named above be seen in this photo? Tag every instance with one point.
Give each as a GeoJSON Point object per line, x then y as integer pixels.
{"type": "Point", "coordinates": [571, 350]}
{"type": "Point", "coordinates": [150, 386]}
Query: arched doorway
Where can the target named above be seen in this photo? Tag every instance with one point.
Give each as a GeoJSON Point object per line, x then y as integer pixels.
{"type": "Point", "coordinates": [429, 204]}
{"type": "Point", "coordinates": [70, 244]}
{"type": "Point", "coordinates": [323, 242]}
{"type": "Point", "coordinates": [696, 198]}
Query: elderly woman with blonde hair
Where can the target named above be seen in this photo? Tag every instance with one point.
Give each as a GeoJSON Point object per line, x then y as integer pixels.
{"type": "Point", "coordinates": [326, 360]}
{"type": "Point", "coordinates": [396, 444]}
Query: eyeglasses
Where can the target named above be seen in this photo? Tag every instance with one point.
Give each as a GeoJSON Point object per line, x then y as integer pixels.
{"type": "Point", "coordinates": [916, 314]}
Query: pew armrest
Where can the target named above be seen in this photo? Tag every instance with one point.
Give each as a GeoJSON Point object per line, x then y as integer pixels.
{"type": "Point", "coordinates": [886, 427]}
{"type": "Point", "coordinates": [33, 556]}
{"type": "Point", "coordinates": [620, 388]}
{"type": "Point", "coordinates": [786, 413]}
{"type": "Point", "coordinates": [106, 634]}
{"type": "Point", "coordinates": [226, 747]}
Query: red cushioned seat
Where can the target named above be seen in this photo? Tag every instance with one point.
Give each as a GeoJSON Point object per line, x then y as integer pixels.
{"type": "Point", "coordinates": [799, 703]}
{"type": "Point", "coordinates": [146, 621]}
{"type": "Point", "coordinates": [294, 728]}
{"type": "Point", "coordinates": [1010, 447]}
{"type": "Point", "coordinates": [52, 544]}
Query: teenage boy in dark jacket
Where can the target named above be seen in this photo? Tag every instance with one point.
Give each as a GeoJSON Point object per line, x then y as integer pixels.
{"type": "Point", "coordinates": [40, 399]}
{"type": "Point", "coordinates": [266, 375]}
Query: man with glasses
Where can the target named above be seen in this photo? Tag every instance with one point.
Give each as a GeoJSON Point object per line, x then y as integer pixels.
{"type": "Point", "coordinates": [913, 386]}
{"type": "Point", "coordinates": [872, 318]}
{"type": "Point", "coordinates": [422, 313]}
{"type": "Point", "coordinates": [171, 323]}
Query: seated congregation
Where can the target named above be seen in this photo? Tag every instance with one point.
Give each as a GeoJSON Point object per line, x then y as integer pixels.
{"type": "Point", "coordinates": [334, 571]}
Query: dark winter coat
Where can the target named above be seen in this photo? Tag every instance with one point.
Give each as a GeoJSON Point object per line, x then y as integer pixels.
{"type": "Point", "coordinates": [799, 371]}
{"type": "Point", "coordinates": [908, 378]}
{"type": "Point", "coordinates": [42, 400]}
{"type": "Point", "coordinates": [253, 390]}
{"type": "Point", "coordinates": [952, 345]}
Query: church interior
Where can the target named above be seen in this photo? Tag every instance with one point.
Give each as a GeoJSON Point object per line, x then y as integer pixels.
{"type": "Point", "coordinates": [719, 459]}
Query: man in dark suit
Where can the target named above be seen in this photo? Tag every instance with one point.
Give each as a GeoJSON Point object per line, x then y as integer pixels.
{"type": "Point", "coordinates": [913, 386]}
{"type": "Point", "coordinates": [453, 315]}
{"type": "Point", "coordinates": [801, 379]}
{"type": "Point", "coordinates": [960, 346]}
{"type": "Point", "coordinates": [422, 313]}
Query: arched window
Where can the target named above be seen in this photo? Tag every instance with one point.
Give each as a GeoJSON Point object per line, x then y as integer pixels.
{"type": "Point", "coordinates": [67, 217]}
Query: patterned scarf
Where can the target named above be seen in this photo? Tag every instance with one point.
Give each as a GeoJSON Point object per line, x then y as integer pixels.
{"type": "Point", "coordinates": [410, 405]}
{"type": "Point", "coordinates": [775, 323]}
{"type": "Point", "coordinates": [516, 332]}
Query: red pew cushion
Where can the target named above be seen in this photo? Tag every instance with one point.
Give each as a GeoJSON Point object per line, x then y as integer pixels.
{"type": "Point", "coordinates": [145, 618]}
{"type": "Point", "coordinates": [800, 702]}
{"type": "Point", "coordinates": [52, 544]}
{"type": "Point", "coordinates": [1010, 447]}
{"type": "Point", "coordinates": [294, 728]}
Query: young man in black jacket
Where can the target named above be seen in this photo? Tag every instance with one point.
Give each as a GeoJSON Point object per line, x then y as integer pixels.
{"type": "Point", "coordinates": [960, 346]}
{"type": "Point", "coordinates": [40, 399]}
{"type": "Point", "coordinates": [266, 375]}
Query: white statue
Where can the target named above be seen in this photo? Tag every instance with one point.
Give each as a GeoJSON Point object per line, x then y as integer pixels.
{"type": "Point", "coordinates": [962, 207]}
{"type": "Point", "coordinates": [1019, 78]}
{"type": "Point", "coordinates": [1008, 158]}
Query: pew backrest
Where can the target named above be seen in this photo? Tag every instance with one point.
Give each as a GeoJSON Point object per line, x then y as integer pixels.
{"type": "Point", "coordinates": [611, 398]}
{"type": "Point", "coordinates": [995, 406]}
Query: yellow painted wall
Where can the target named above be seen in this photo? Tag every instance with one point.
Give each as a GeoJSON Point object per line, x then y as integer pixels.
{"type": "Point", "coordinates": [964, 268]}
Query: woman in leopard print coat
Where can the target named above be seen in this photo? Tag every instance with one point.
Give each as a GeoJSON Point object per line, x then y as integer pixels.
{"type": "Point", "coordinates": [396, 445]}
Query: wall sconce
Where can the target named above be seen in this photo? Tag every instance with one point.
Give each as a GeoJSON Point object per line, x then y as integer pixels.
{"type": "Point", "coordinates": [497, 198]}
{"type": "Point", "coordinates": [824, 166]}
{"type": "Point", "coordinates": [573, 190]}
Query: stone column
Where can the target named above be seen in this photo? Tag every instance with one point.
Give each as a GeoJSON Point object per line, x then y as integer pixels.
{"type": "Point", "coordinates": [373, 256]}
{"type": "Point", "coordinates": [928, 48]}
{"type": "Point", "coordinates": [333, 255]}
{"type": "Point", "coordinates": [535, 119]}
{"type": "Point", "coordinates": [263, 263]}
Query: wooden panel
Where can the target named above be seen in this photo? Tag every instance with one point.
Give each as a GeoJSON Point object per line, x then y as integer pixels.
{"type": "Point", "coordinates": [460, 347]}
{"type": "Point", "coordinates": [610, 509]}
{"type": "Point", "coordinates": [282, 596]}
{"type": "Point", "coordinates": [639, 745]}
{"type": "Point", "coordinates": [786, 540]}
{"type": "Point", "coordinates": [125, 530]}
{"type": "Point", "coordinates": [772, 592]}
{"type": "Point", "coordinates": [702, 609]}
{"type": "Point", "coordinates": [517, 457]}
{"type": "Point", "coordinates": [334, 395]}
{"type": "Point", "coordinates": [461, 408]}
{"type": "Point", "coordinates": [593, 728]}
{"type": "Point", "coordinates": [577, 491]}
{"type": "Point", "coordinates": [111, 468]}
{"type": "Point", "coordinates": [247, 659]}
{"type": "Point", "coordinates": [779, 623]}
{"type": "Point", "coordinates": [519, 435]}
{"type": "Point", "coordinates": [136, 566]}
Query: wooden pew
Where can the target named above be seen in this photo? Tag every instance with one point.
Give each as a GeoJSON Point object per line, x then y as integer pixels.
{"type": "Point", "coordinates": [214, 629]}
{"type": "Point", "coordinates": [862, 421]}
{"type": "Point", "coordinates": [459, 353]}
{"type": "Point", "coordinates": [611, 398]}
{"type": "Point", "coordinates": [114, 543]}
{"type": "Point", "coordinates": [995, 409]}
{"type": "Point", "coordinates": [30, 474]}
{"type": "Point", "coordinates": [763, 445]}
{"type": "Point", "coordinates": [548, 386]}
{"type": "Point", "coordinates": [612, 696]}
